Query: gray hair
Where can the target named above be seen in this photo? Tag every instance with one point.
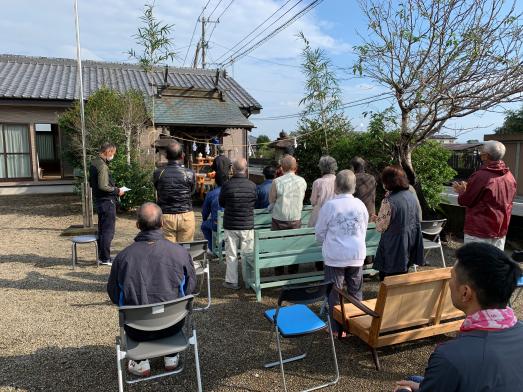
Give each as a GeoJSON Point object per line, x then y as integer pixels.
{"type": "Point", "coordinates": [327, 165]}
{"type": "Point", "coordinates": [494, 149]}
{"type": "Point", "coordinates": [345, 182]}
{"type": "Point", "coordinates": [149, 217]}
{"type": "Point", "coordinates": [239, 166]}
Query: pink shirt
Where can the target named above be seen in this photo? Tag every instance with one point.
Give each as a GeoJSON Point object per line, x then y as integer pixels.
{"type": "Point", "coordinates": [322, 191]}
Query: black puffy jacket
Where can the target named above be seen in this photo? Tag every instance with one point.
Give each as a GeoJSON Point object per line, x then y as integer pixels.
{"type": "Point", "coordinates": [175, 185]}
{"type": "Point", "coordinates": [238, 197]}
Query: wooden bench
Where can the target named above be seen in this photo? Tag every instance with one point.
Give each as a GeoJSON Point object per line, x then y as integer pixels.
{"type": "Point", "coordinates": [288, 247]}
{"type": "Point", "coordinates": [262, 220]}
{"type": "Point", "coordinates": [408, 307]}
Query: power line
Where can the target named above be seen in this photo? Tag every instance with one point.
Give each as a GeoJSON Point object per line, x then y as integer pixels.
{"type": "Point", "coordinates": [194, 31]}
{"type": "Point", "coordinates": [212, 12]}
{"type": "Point", "coordinates": [254, 30]}
{"type": "Point", "coordinates": [273, 33]}
{"type": "Point", "coordinates": [257, 58]}
{"type": "Point", "coordinates": [345, 105]}
{"type": "Point", "coordinates": [218, 19]}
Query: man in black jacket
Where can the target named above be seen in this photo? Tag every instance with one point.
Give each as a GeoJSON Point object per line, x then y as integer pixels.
{"type": "Point", "coordinates": [175, 186]}
{"type": "Point", "coordinates": [221, 165]}
{"type": "Point", "coordinates": [149, 271]}
{"type": "Point", "coordinates": [237, 197]}
{"type": "Point", "coordinates": [104, 193]}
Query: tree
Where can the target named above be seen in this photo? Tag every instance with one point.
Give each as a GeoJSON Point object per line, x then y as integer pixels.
{"type": "Point", "coordinates": [321, 123]}
{"type": "Point", "coordinates": [134, 118]}
{"type": "Point", "coordinates": [156, 43]}
{"type": "Point", "coordinates": [513, 123]}
{"type": "Point", "coordinates": [322, 98]}
{"type": "Point", "coordinates": [118, 118]}
{"type": "Point", "coordinates": [262, 140]}
{"type": "Point", "coordinates": [441, 60]}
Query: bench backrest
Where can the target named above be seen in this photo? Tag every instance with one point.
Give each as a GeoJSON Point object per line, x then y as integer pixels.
{"type": "Point", "coordinates": [263, 218]}
{"type": "Point", "coordinates": [298, 244]}
{"type": "Point", "coordinates": [413, 299]}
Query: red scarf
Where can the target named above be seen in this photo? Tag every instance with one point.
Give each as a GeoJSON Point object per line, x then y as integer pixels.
{"type": "Point", "coordinates": [490, 320]}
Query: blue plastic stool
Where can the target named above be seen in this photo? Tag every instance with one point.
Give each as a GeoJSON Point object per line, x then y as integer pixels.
{"type": "Point", "coordinates": [83, 239]}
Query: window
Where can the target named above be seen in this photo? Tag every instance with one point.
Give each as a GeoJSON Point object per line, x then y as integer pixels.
{"type": "Point", "coordinates": [15, 152]}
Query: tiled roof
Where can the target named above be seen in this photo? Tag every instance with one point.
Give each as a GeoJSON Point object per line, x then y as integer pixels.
{"type": "Point", "coordinates": [23, 77]}
{"type": "Point", "coordinates": [204, 112]}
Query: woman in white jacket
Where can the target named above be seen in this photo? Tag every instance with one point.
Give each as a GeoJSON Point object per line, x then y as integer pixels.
{"type": "Point", "coordinates": [341, 229]}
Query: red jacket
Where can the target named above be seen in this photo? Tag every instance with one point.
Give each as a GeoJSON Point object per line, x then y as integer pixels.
{"type": "Point", "coordinates": [488, 201]}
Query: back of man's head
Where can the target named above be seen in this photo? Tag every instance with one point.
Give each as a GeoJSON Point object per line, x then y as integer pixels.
{"type": "Point", "coordinates": [490, 273]}
{"type": "Point", "coordinates": [106, 147]}
{"type": "Point", "coordinates": [269, 172]}
{"type": "Point", "coordinates": [220, 150]}
{"type": "Point", "coordinates": [494, 149]}
{"type": "Point", "coordinates": [149, 217]}
{"type": "Point", "coordinates": [239, 166]}
{"type": "Point", "coordinates": [288, 163]}
{"type": "Point", "coordinates": [174, 151]}
{"type": "Point", "coordinates": [358, 164]}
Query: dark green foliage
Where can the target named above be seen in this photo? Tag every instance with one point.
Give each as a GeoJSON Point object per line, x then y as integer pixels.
{"type": "Point", "coordinates": [430, 161]}
{"type": "Point", "coordinates": [111, 116]}
{"type": "Point", "coordinates": [378, 147]}
{"type": "Point", "coordinates": [513, 123]}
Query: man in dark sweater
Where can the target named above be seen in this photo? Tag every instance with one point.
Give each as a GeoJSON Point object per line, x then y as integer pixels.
{"type": "Point", "coordinates": [149, 271]}
{"type": "Point", "coordinates": [237, 197]}
{"type": "Point", "coordinates": [221, 165]}
{"type": "Point", "coordinates": [175, 185]}
{"type": "Point", "coordinates": [105, 194]}
{"type": "Point", "coordinates": [487, 355]}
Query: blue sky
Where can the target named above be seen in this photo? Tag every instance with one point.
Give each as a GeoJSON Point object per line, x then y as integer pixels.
{"type": "Point", "coordinates": [271, 73]}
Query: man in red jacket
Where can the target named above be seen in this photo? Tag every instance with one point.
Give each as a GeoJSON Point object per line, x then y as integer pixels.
{"type": "Point", "coordinates": [488, 196]}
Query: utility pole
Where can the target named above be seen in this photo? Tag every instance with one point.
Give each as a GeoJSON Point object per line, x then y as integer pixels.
{"type": "Point", "coordinates": [203, 43]}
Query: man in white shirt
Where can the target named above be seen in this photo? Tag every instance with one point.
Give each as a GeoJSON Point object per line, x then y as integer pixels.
{"type": "Point", "coordinates": [341, 229]}
{"type": "Point", "coordinates": [286, 198]}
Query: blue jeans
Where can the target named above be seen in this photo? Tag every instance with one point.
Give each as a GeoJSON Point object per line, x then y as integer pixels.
{"type": "Point", "coordinates": [207, 230]}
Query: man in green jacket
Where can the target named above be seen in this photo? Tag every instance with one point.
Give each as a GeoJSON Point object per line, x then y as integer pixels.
{"type": "Point", "coordinates": [104, 193]}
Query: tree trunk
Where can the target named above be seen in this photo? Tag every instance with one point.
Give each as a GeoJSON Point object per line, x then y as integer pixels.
{"type": "Point", "coordinates": [128, 146]}
{"type": "Point", "coordinates": [405, 160]}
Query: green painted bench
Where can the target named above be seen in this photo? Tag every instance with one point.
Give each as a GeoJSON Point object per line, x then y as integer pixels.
{"type": "Point", "coordinates": [262, 220]}
{"type": "Point", "coordinates": [287, 247]}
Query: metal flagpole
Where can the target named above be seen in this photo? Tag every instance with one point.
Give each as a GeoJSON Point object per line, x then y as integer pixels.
{"type": "Point", "coordinates": [86, 199]}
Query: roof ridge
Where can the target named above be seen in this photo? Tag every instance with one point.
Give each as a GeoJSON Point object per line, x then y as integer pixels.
{"type": "Point", "coordinates": [93, 63]}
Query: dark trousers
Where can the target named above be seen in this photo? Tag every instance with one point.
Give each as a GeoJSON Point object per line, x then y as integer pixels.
{"type": "Point", "coordinates": [207, 230]}
{"type": "Point", "coordinates": [144, 336]}
{"type": "Point", "coordinates": [106, 221]}
{"type": "Point", "coordinates": [286, 225]}
{"type": "Point", "coordinates": [352, 277]}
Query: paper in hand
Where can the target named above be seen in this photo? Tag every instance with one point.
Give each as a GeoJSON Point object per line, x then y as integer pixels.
{"type": "Point", "coordinates": [125, 189]}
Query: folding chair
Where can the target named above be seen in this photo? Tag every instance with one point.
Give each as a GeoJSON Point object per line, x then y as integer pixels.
{"type": "Point", "coordinates": [155, 317]}
{"type": "Point", "coordinates": [433, 229]}
{"type": "Point", "coordinates": [198, 252]}
{"type": "Point", "coordinates": [298, 320]}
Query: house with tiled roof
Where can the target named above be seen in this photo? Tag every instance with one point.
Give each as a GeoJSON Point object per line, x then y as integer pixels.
{"type": "Point", "coordinates": [190, 104]}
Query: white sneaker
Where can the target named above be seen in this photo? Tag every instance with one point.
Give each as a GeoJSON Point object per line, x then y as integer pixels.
{"type": "Point", "coordinates": [107, 262]}
{"type": "Point", "coordinates": [140, 369]}
{"type": "Point", "coordinates": [171, 363]}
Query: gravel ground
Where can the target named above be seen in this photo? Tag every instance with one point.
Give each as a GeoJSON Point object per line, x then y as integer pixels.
{"type": "Point", "coordinates": [58, 327]}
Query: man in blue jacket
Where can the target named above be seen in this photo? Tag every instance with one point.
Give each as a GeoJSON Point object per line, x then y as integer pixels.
{"type": "Point", "coordinates": [264, 189]}
{"type": "Point", "coordinates": [487, 355]}
{"type": "Point", "coordinates": [211, 206]}
{"type": "Point", "coordinates": [151, 270]}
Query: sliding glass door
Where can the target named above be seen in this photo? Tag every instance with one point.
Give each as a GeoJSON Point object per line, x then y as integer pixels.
{"type": "Point", "coordinates": [15, 152]}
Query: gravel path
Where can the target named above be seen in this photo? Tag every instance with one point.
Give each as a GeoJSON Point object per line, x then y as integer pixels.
{"type": "Point", "coordinates": [58, 327]}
